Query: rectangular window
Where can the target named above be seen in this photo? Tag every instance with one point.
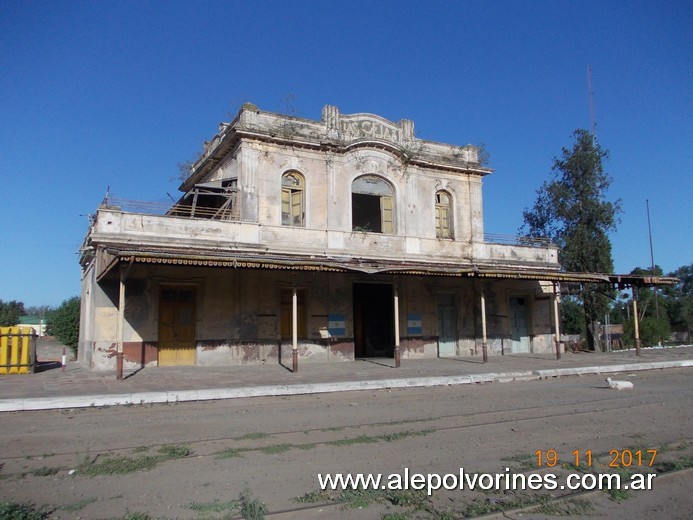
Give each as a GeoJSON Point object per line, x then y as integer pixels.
{"type": "Point", "coordinates": [292, 208]}
{"type": "Point", "coordinates": [386, 214]}
{"type": "Point", "coordinates": [443, 222]}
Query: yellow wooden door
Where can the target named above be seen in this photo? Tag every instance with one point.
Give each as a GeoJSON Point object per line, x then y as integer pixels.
{"type": "Point", "coordinates": [177, 326]}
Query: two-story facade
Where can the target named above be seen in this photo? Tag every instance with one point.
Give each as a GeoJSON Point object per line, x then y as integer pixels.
{"type": "Point", "coordinates": [335, 239]}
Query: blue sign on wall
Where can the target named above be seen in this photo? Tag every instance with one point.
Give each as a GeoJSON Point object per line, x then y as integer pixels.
{"type": "Point", "coordinates": [414, 323]}
{"type": "Point", "coordinates": [336, 325]}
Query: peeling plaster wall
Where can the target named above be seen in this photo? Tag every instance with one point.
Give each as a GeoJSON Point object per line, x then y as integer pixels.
{"type": "Point", "coordinates": [239, 315]}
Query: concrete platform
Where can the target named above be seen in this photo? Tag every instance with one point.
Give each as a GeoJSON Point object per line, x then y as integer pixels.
{"type": "Point", "coordinates": [75, 386]}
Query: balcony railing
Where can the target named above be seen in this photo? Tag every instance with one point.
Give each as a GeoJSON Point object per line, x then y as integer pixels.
{"type": "Point", "coordinates": [516, 240]}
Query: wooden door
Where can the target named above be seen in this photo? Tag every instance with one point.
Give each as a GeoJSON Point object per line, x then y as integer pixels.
{"type": "Point", "coordinates": [519, 324]}
{"type": "Point", "coordinates": [177, 326]}
{"type": "Point", "coordinates": [447, 331]}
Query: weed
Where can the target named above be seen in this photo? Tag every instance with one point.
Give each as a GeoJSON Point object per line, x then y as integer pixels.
{"type": "Point", "coordinates": [573, 506]}
{"type": "Point", "coordinates": [230, 453]}
{"type": "Point", "coordinates": [15, 511]}
{"type": "Point", "coordinates": [483, 507]}
{"type": "Point", "coordinates": [121, 465]}
{"type": "Point", "coordinates": [276, 448]}
{"type": "Point", "coordinates": [251, 507]}
{"type": "Point", "coordinates": [308, 446]}
{"type": "Point", "coordinates": [44, 471]}
{"type": "Point", "coordinates": [389, 437]}
{"type": "Point", "coordinates": [79, 505]}
{"type": "Point", "coordinates": [396, 516]}
{"type": "Point", "coordinates": [524, 461]}
{"type": "Point", "coordinates": [360, 498]}
{"type": "Point", "coordinates": [313, 497]}
{"type": "Point", "coordinates": [118, 466]}
{"type": "Point", "coordinates": [361, 439]}
{"type": "Point", "coordinates": [215, 507]}
{"type": "Point", "coordinates": [252, 436]}
{"type": "Point", "coordinates": [620, 493]}
{"type": "Point", "coordinates": [369, 439]}
{"type": "Point", "coordinates": [137, 516]}
{"type": "Point", "coordinates": [684, 463]}
{"type": "Point", "coordinates": [176, 451]}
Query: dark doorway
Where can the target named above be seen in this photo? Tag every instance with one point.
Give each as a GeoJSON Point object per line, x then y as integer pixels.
{"type": "Point", "coordinates": [373, 320]}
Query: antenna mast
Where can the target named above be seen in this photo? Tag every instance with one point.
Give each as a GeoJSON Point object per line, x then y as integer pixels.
{"type": "Point", "coordinates": [591, 94]}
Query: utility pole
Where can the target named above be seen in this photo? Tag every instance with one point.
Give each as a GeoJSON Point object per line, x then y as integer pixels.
{"type": "Point", "coordinates": [593, 114]}
{"type": "Point", "coordinates": [649, 229]}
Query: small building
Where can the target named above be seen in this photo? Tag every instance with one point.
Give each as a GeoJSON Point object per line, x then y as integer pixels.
{"type": "Point", "coordinates": [38, 324]}
{"type": "Point", "coordinates": [329, 240]}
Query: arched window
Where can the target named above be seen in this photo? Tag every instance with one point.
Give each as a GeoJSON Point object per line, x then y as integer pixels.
{"type": "Point", "coordinates": [443, 215]}
{"type": "Point", "coordinates": [293, 212]}
{"type": "Point", "coordinates": [372, 205]}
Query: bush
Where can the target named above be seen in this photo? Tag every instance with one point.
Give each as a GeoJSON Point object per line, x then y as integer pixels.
{"type": "Point", "coordinates": [652, 331]}
{"type": "Point", "coordinates": [64, 323]}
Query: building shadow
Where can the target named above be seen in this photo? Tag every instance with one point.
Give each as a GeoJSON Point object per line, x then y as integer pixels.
{"type": "Point", "coordinates": [44, 366]}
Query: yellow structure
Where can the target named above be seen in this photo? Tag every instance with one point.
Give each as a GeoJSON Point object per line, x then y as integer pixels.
{"type": "Point", "coordinates": [17, 350]}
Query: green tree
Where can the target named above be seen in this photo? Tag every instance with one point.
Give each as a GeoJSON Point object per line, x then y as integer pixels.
{"type": "Point", "coordinates": [64, 323]}
{"type": "Point", "coordinates": [571, 209]}
{"type": "Point", "coordinates": [10, 313]}
{"type": "Point", "coordinates": [572, 321]}
{"type": "Point", "coordinates": [680, 300]}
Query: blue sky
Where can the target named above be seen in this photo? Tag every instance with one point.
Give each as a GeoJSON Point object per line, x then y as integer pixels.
{"type": "Point", "coordinates": [104, 93]}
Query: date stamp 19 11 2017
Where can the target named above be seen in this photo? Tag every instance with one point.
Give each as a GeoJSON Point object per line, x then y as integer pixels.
{"type": "Point", "coordinates": [624, 458]}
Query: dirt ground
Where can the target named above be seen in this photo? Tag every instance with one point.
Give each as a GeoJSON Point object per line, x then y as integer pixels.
{"type": "Point", "coordinates": [50, 349]}
{"type": "Point", "coordinates": [205, 460]}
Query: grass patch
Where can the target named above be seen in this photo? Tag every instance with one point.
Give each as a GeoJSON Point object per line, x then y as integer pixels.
{"type": "Point", "coordinates": [118, 466]}
{"type": "Point", "coordinates": [44, 471]}
{"type": "Point", "coordinates": [251, 507]}
{"type": "Point", "coordinates": [571, 507]}
{"type": "Point", "coordinates": [361, 498]}
{"type": "Point", "coordinates": [361, 439]}
{"type": "Point", "coordinates": [15, 511]}
{"type": "Point", "coordinates": [123, 465]}
{"type": "Point", "coordinates": [396, 516]}
{"type": "Point", "coordinates": [215, 507]}
{"type": "Point", "coordinates": [276, 448]}
{"type": "Point", "coordinates": [176, 451]}
{"type": "Point", "coordinates": [137, 516]}
{"type": "Point", "coordinates": [522, 461]}
{"type": "Point", "coordinates": [619, 494]}
{"type": "Point", "coordinates": [676, 465]}
{"type": "Point", "coordinates": [78, 506]}
{"type": "Point", "coordinates": [252, 436]}
{"type": "Point", "coordinates": [314, 497]}
{"type": "Point", "coordinates": [230, 453]}
{"type": "Point", "coordinates": [484, 507]}
{"type": "Point", "coordinates": [370, 439]}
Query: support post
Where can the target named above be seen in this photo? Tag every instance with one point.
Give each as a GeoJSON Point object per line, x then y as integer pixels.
{"type": "Point", "coordinates": [484, 346]}
{"type": "Point", "coordinates": [294, 330]}
{"type": "Point", "coordinates": [397, 350]}
{"type": "Point", "coordinates": [636, 325]}
{"type": "Point", "coordinates": [120, 326]}
{"type": "Point", "coordinates": [557, 321]}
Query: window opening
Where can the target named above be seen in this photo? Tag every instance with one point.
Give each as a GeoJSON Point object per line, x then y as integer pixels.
{"type": "Point", "coordinates": [443, 215]}
{"type": "Point", "coordinates": [293, 213]}
{"type": "Point", "coordinates": [372, 205]}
